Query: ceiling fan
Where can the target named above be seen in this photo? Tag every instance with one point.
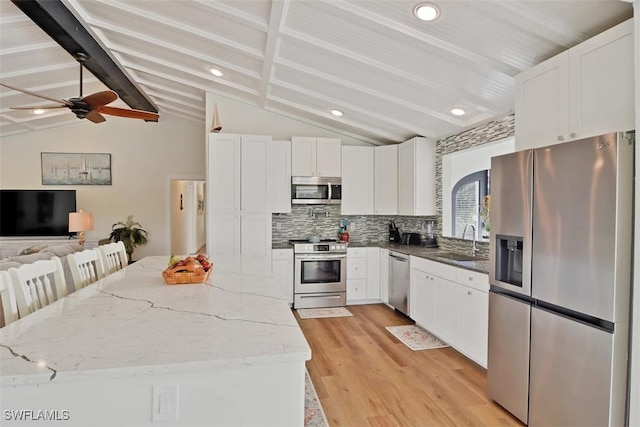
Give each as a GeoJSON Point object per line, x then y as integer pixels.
{"type": "Point", "coordinates": [92, 107]}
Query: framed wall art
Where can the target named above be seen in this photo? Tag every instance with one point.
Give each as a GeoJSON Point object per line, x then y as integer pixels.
{"type": "Point", "coordinates": [76, 169]}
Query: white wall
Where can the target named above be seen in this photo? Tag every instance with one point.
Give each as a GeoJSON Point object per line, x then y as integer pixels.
{"type": "Point", "coordinates": [142, 156]}
{"type": "Point", "coordinates": [241, 118]}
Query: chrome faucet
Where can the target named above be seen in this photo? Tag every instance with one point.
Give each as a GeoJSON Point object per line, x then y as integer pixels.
{"type": "Point", "coordinates": [474, 248]}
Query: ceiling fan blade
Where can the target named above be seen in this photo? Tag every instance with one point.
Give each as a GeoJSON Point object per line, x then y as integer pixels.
{"type": "Point", "coordinates": [133, 114]}
{"type": "Point", "coordinates": [95, 117]}
{"type": "Point", "coordinates": [60, 101]}
{"type": "Point", "coordinates": [99, 99]}
{"type": "Point", "coordinates": [39, 107]}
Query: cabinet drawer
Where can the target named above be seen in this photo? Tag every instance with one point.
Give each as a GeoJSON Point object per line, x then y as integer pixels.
{"type": "Point", "coordinates": [356, 253]}
{"type": "Point", "coordinates": [432, 267]}
{"type": "Point", "coordinates": [356, 289]}
{"type": "Point", "coordinates": [284, 254]}
{"type": "Point", "coordinates": [357, 268]}
{"type": "Point", "coordinates": [473, 279]}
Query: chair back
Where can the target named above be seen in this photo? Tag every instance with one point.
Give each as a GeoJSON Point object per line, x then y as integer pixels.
{"type": "Point", "coordinates": [86, 267]}
{"type": "Point", "coordinates": [114, 257]}
{"type": "Point", "coordinates": [8, 297]}
{"type": "Point", "coordinates": [38, 284]}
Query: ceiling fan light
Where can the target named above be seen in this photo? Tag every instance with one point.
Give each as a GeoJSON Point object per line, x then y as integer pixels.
{"type": "Point", "coordinates": [216, 71]}
{"type": "Point", "coordinates": [336, 112]}
{"type": "Point", "coordinates": [426, 11]}
{"type": "Point", "coordinates": [38, 111]}
{"type": "Point", "coordinates": [457, 111]}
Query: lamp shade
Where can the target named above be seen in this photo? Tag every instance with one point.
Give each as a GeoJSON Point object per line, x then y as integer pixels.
{"type": "Point", "coordinates": [80, 221]}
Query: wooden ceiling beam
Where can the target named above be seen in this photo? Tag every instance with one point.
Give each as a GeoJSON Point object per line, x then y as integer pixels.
{"type": "Point", "coordinates": [53, 17]}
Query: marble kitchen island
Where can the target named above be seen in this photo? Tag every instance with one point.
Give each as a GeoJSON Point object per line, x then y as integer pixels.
{"type": "Point", "coordinates": [130, 349]}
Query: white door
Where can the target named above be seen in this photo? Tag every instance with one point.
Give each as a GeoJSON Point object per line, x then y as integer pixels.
{"type": "Point", "coordinates": [328, 154]}
{"type": "Point", "coordinates": [386, 180]}
{"type": "Point", "coordinates": [254, 188]}
{"type": "Point", "coordinates": [357, 180]}
{"type": "Point", "coordinates": [303, 156]}
{"type": "Point", "coordinates": [223, 173]}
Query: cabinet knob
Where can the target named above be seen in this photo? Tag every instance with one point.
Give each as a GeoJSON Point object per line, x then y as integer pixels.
{"type": "Point", "coordinates": [560, 138]}
{"type": "Point", "coordinates": [468, 292]}
{"type": "Point", "coordinates": [470, 278]}
{"type": "Point", "coordinates": [572, 134]}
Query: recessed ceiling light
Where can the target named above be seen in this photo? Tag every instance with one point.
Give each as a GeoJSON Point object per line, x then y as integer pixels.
{"type": "Point", "coordinates": [337, 113]}
{"type": "Point", "coordinates": [216, 71]}
{"type": "Point", "coordinates": [38, 111]}
{"type": "Point", "coordinates": [457, 111]}
{"type": "Point", "coordinates": [426, 11]}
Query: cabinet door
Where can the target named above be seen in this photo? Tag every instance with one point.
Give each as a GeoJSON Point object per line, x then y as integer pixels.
{"type": "Point", "coordinates": [601, 83]}
{"type": "Point", "coordinates": [473, 323]}
{"type": "Point", "coordinates": [384, 275]}
{"type": "Point", "coordinates": [542, 104]}
{"type": "Point", "coordinates": [423, 300]}
{"type": "Point", "coordinates": [303, 156]}
{"type": "Point", "coordinates": [282, 267]}
{"type": "Point", "coordinates": [406, 173]}
{"type": "Point", "coordinates": [386, 180]}
{"type": "Point", "coordinates": [255, 230]}
{"type": "Point", "coordinates": [446, 310]}
{"type": "Point", "coordinates": [223, 173]}
{"type": "Point", "coordinates": [254, 188]}
{"type": "Point", "coordinates": [279, 176]}
{"type": "Point", "coordinates": [356, 289]}
{"type": "Point", "coordinates": [373, 274]}
{"type": "Point", "coordinates": [223, 234]}
{"type": "Point", "coordinates": [328, 154]}
{"type": "Point", "coordinates": [357, 180]}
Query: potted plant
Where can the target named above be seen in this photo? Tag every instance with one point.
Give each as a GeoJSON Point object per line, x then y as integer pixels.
{"type": "Point", "coordinates": [130, 233]}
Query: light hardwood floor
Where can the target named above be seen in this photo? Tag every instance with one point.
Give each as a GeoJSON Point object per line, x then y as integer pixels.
{"type": "Point", "coordinates": [364, 376]}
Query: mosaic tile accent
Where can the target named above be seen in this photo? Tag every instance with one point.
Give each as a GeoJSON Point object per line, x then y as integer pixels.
{"type": "Point", "coordinates": [305, 221]}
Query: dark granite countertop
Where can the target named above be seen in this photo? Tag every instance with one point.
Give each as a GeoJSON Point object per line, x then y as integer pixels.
{"type": "Point", "coordinates": [480, 265]}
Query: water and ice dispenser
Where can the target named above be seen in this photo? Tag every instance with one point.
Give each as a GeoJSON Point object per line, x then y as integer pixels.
{"type": "Point", "coordinates": [508, 268]}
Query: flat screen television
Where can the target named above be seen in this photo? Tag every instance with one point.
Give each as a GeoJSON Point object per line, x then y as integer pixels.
{"type": "Point", "coordinates": [36, 213]}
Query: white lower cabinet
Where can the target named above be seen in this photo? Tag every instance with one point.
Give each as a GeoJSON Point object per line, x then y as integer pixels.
{"type": "Point", "coordinates": [282, 268]}
{"type": "Point", "coordinates": [363, 275]}
{"type": "Point", "coordinates": [453, 304]}
{"type": "Point", "coordinates": [383, 262]}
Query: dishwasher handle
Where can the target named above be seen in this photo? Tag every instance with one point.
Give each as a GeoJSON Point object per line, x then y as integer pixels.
{"type": "Point", "coordinates": [399, 258]}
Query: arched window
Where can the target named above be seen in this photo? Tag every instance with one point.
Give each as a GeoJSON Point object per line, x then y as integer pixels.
{"type": "Point", "coordinates": [467, 198]}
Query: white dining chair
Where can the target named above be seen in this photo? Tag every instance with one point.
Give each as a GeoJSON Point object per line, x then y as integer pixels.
{"type": "Point", "coordinates": [113, 256]}
{"type": "Point", "coordinates": [38, 284]}
{"type": "Point", "coordinates": [8, 297]}
{"type": "Point", "coordinates": [86, 267]}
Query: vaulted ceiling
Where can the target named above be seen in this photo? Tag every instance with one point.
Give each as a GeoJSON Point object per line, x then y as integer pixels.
{"type": "Point", "coordinates": [392, 75]}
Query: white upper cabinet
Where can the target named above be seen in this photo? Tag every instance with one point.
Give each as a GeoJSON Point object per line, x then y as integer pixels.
{"type": "Point", "coordinates": [417, 177]}
{"type": "Point", "coordinates": [315, 156]}
{"type": "Point", "coordinates": [386, 180]}
{"type": "Point", "coordinates": [357, 180]}
{"type": "Point", "coordinates": [279, 176]}
{"type": "Point", "coordinates": [253, 182]}
{"type": "Point", "coordinates": [223, 173]}
{"type": "Point", "coordinates": [582, 92]}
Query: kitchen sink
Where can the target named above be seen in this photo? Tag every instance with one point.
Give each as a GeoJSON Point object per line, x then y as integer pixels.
{"type": "Point", "coordinates": [458, 257]}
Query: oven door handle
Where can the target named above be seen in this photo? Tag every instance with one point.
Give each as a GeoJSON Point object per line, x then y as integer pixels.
{"type": "Point", "coordinates": [320, 257]}
{"type": "Point", "coordinates": [329, 184]}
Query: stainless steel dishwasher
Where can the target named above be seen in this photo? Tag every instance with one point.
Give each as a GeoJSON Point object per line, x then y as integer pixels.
{"type": "Point", "coordinates": [399, 281]}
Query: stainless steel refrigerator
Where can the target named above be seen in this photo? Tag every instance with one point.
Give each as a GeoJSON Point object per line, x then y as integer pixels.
{"type": "Point", "coordinates": [560, 276]}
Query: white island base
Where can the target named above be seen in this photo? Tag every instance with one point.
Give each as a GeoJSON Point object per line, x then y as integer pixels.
{"type": "Point", "coordinates": [266, 395]}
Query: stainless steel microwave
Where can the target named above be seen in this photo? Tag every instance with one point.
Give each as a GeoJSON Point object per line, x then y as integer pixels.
{"type": "Point", "coordinates": [314, 190]}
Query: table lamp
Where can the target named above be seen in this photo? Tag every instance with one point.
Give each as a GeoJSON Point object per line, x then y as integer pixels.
{"type": "Point", "coordinates": [80, 222]}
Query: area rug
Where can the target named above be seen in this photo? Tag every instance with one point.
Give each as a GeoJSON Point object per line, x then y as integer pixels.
{"type": "Point", "coordinates": [318, 313]}
{"type": "Point", "coordinates": [313, 413]}
{"type": "Point", "coordinates": [415, 337]}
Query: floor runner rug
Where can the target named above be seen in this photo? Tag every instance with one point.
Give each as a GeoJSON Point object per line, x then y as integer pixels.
{"type": "Point", "coordinates": [318, 313]}
{"type": "Point", "coordinates": [415, 337]}
{"type": "Point", "coordinates": [313, 413]}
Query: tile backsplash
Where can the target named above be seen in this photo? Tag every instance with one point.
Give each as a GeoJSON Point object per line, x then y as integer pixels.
{"type": "Point", "coordinates": [325, 221]}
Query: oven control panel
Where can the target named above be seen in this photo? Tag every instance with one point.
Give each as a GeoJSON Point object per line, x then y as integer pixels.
{"type": "Point", "coordinates": [310, 248]}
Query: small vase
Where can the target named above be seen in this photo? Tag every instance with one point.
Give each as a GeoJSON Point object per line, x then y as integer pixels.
{"type": "Point", "coordinates": [344, 236]}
